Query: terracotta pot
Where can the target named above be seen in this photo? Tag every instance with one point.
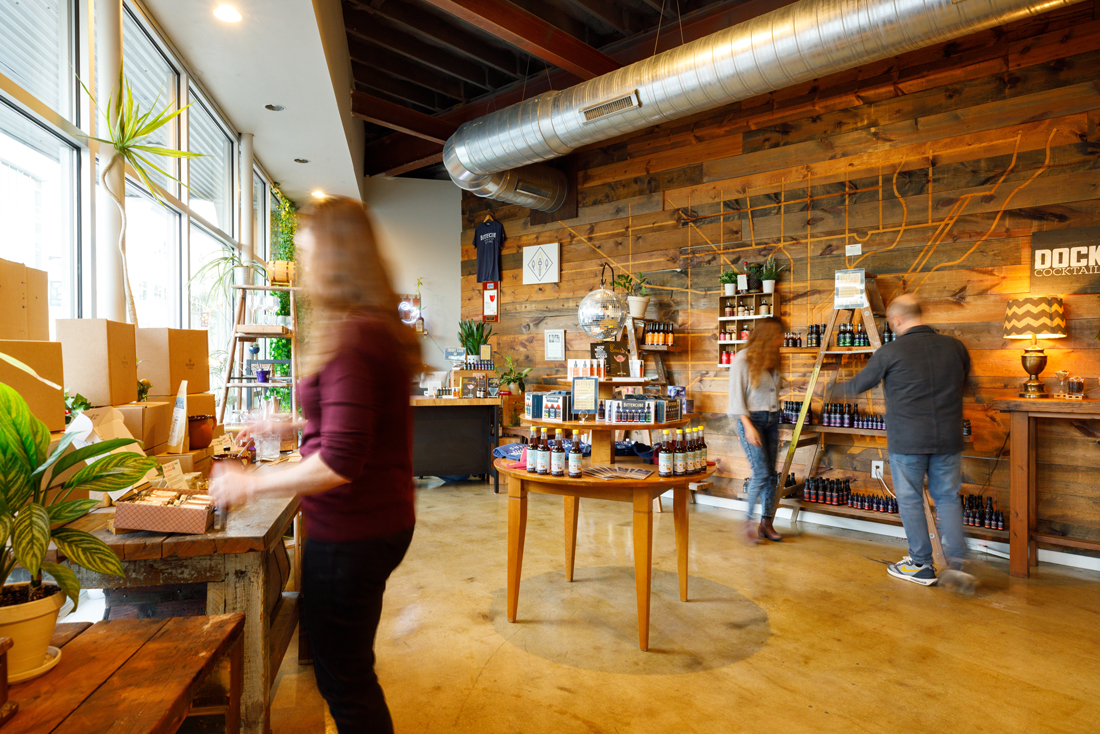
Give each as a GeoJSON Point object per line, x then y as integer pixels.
{"type": "Point", "coordinates": [200, 431]}
{"type": "Point", "coordinates": [30, 627]}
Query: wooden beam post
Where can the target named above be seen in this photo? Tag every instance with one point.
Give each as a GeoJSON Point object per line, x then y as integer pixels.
{"type": "Point", "coordinates": [395, 117]}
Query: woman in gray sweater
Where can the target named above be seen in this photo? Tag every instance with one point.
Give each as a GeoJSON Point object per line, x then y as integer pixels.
{"type": "Point", "coordinates": [754, 406]}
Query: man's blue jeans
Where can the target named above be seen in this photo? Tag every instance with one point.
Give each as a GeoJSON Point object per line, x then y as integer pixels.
{"type": "Point", "coordinates": [762, 460]}
{"type": "Point", "coordinates": [944, 472]}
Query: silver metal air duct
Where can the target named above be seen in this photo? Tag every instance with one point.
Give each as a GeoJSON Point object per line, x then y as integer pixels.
{"type": "Point", "coordinates": [492, 155]}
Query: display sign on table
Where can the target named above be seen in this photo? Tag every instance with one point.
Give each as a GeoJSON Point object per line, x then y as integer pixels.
{"type": "Point", "coordinates": [586, 391]}
{"type": "Point", "coordinates": [616, 356]}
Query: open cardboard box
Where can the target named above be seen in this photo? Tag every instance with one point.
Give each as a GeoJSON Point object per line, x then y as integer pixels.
{"type": "Point", "coordinates": [130, 514]}
{"type": "Point", "coordinates": [47, 403]}
{"type": "Point", "coordinates": [104, 425]}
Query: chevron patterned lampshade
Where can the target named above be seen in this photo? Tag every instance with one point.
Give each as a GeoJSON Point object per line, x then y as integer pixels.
{"type": "Point", "coordinates": [1042, 318]}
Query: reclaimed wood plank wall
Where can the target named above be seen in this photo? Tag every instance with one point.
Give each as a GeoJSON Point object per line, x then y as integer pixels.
{"type": "Point", "coordinates": [941, 163]}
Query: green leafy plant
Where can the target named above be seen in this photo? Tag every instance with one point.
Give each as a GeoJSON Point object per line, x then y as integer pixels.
{"type": "Point", "coordinates": [217, 273]}
{"type": "Point", "coordinates": [472, 334]}
{"type": "Point", "coordinates": [632, 286]}
{"type": "Point", "coordinates": [284, 225]}
{"type": "Point", "coordinates": [29, 472]}
{"type": "Point", "coordinates": [728, 276]}
{"type": "Point", "coordinates": [510, 374]}
{"type": "Point", "coordinates": [128, 133]}
{"type": "Point", "coordinates": [74, 406]}
{"type": "Point", "coordinates": [770, 270]}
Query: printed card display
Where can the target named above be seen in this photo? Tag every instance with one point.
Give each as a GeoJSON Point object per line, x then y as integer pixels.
{"type": "Point", "coordinates": [617, 356]}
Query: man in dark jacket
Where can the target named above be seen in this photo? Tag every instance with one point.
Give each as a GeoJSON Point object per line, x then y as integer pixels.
{"type": "Point", "coordinates": [923, 375]}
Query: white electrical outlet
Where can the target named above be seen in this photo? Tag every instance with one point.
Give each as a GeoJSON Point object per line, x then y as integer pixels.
{"type": "Point", "coordinates": [876, 469]}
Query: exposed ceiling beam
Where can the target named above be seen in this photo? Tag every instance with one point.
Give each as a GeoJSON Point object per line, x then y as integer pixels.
{"type": "Point", "coordinates": [402, 90]}
{"type": "Point", "coordinates": [582, 29]}
{"type": "Point", "coordinates": [396, 117]}
{"type": "Point", "coordinates": [381, 33]}
{"type": "Point", "coordinates": [610, 13]}
{"type": "Point", "coordinates": [367, 56]}
{"type": "Point", "coordinates": [404, 155]}
{"type": "Point", "coordinates": [431, 28]}
{"type": "Point", "coordinates": [532, 34]}
{"type": "Point", "coordinates": [662, 8]}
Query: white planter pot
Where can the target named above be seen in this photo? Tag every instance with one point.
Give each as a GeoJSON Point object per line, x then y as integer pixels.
{"type": "Point", "coordinates": [729, 289]}
{"type": "Point", "coordinates": [638, 305]}
{"type": "Point", "coordinates": [30, 627]}
{"type": "Point", "coordinates": [769, 286]}
{"type": "Point", "coordinates": [513, 387]}
{"type": "Point", "coordinates": [242, 275]}
{"type": "Point", "coordinates": [742, 282]}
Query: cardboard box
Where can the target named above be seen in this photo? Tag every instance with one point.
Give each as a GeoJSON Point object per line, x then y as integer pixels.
{"type": "Point", "coordinates": [198, 404]}
{"type": "Point", "coordinates": [100, 360]}
{"type": "Point", "coordinates": [166, 357]}
{"type": "Point", "coordinates": [24, 304]}
{"type": "Point", "coordinates": [46, 403]}
{"type": "Point", "coordinates": [104, 424]}
{"type": "Point", "coordinates": [192, 461]}
{"type": "Point", "coordinates": [147, 422]}
{"type": "Point", "coordinates": [132, 515]}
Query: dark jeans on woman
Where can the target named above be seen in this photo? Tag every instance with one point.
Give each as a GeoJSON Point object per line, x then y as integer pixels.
{"type": "Point", "coordinates": [762, 460]}
{"type": "Point", "coordinates": [342, 586]}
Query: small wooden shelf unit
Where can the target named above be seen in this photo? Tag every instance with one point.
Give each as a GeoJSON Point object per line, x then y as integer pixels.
{"type": "Point", "coordinates": [751, 301]}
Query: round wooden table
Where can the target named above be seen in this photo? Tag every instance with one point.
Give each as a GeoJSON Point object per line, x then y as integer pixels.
{"type": "Point", "coordinates": [640, 493]}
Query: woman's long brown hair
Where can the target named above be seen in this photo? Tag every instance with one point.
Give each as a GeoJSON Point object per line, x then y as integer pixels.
{"type": "Point", "coordinates": [759, 353]}
{"type": "Point", "coordinates": [347, 278]}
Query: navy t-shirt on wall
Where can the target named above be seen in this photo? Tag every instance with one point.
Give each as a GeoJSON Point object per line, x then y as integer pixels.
{"type": "Point", "coordinates": [488, 237]}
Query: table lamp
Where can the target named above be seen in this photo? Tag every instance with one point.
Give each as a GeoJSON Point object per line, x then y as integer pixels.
{"type": "Point", "coordinates": [1034, 318]}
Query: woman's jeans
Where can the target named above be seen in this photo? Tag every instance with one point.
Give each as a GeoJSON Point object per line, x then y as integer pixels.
{"type": "Point", "coordinates": [342, 585]}
{"type": "Point", "coordinates": [762, 460]}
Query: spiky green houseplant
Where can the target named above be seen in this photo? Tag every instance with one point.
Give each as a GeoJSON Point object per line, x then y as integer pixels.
{"type": "Point", "coordinates": [128, 131]}
{"type": "Point", "coordinates": [29, 473]}
{"type": "Point", "coordinates": [472, 334]}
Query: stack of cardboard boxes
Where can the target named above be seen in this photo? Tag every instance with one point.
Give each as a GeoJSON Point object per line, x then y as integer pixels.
{"type": "Point", "coordinates": [103, 361]}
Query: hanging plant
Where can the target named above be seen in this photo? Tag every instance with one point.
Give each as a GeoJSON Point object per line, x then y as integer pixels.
{"type": "Point", "coordinates": [128, 133]}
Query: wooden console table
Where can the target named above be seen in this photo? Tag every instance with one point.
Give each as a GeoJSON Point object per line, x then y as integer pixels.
{"type": "Point", "coordinates": [1023, 497]}
{"type": "Point", "coordinates": [640, 493]}
{"type": "Point", "coordinates": [131, 676]}
{"type": "Point", "coordinates": [455, 436]}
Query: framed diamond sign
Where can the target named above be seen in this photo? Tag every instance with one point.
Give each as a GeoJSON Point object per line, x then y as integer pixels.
{"type": "Point", "coordinates": [541, 264]}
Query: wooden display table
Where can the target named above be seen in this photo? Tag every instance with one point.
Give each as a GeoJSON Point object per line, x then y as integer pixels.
{"type": "Point", "coordinates": [1022, 496]}
{"type": "Point", "coordinates": [455, 436]}
{"type": "Point", "coordinates": [640, 493]}
{"type": "Point", "coordinates": [233, 564]}
{"type": "Point", "coordinates": [608, 384]}
{"type": "Point", "coordinates": [603, 433]}
{"type": "Point", "coordinates": [130, 676]}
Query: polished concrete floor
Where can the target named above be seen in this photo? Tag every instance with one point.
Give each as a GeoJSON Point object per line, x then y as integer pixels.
{"type": "Point", "coordinates": [809, 635]}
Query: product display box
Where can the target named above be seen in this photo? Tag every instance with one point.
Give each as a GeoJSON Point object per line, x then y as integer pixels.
{"type": "Point", "coordinates": [192, 461]}
{"type": "Point", "coordinates": [197, 403]}
{"type": "Point", "coordinates": [100, 360]}
{"type": "Point", "coordinates": [133, 514]}
{"type": "Point", "coordinates": [24, 305]}
{"type": "Point", "coordinates": [166, 357]}
{"type": "Point", "coordinates": [147, 422]}
{"type": "Point", "coordinates": [46, 403]}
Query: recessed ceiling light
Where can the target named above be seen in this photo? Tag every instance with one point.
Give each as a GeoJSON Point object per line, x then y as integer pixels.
{"type": "Point", "coordinates": [274, 107]}
{"type": "Point", "coordinates": [301, 160]}
{"type": "Point", "coordinates": [318, 194]}
{"type": "Point", "coordinates": [227, 13]}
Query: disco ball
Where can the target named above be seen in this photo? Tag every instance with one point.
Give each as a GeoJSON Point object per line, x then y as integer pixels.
{"type": "Point", "coordinates": [602, 314]}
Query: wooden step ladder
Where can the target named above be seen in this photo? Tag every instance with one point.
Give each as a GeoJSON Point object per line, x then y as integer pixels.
{"type": "Point", "coordinates": [873, 306]}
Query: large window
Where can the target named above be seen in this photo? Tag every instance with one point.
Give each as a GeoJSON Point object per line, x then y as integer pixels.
{"type": "Point", "coordinates": [210, 299]}
{"type": "Point", "coordinates": [155, 85]}
{"type": "Point", "coordinates": [259, 206]}
{"type": "Point", "coordinates": [153, 255]}
{"type": "Point", "coordinates": [36, 49]}
{"type": "Point", "coordinates": [211, 177]}
{"type": "Point", "coordinates": [38, 196]}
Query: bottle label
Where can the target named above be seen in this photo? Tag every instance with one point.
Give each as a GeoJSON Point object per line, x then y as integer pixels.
{"type": "Point", "coordinates": [532, 458]}
{"type": "Point", "coordinates": [680, 463]}
{"type": "Point", "coordinates": [557, 463]}
{"type": "Point", "coordinates": [664, 464]}
{"type": "Point", "coordinates": [574, 465]}
{"type": "Point", "coordinates": [543, 461]}
{"type": "Point", "coordinates": [703, 459]}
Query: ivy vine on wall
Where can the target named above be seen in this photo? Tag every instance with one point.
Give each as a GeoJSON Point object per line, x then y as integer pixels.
{"type": "Point", "coordinates": [284, 224]}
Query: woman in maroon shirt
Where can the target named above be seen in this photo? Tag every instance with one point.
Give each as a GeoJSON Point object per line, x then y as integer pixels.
{"type": "Point", "coordinates": [355, 477]}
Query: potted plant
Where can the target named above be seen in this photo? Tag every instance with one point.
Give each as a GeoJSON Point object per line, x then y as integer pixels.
{"type": "Point", "coordinates": [728, 279]}
{"type": "Point", "coordinates": [637, 297]}
{"type": "Point", "coordinates": [33, 504]}
{"type": "Point", "coordinates": [472, 334]}
{"type": "Point", "coordinates": [511, 378]}
{"type": "Point", "coordinates": [769, 273]}
{"type": "Point", "coordinates": [128, 133]}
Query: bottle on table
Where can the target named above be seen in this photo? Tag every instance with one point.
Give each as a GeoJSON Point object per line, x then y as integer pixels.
{"type": "Point", "coordinates": [542, 459]}
{"type": "Point", "coordinates": [702, 450]}
{"type": "Point", "coordinates": [557, 455]}
{"type": "Point", "coordinates": [689, 451]}
{"type": "Point", "coordinates": [664, 457]}
{"type": "Point", "coordinates": [532, 451]}
{"type": "Point", "coordinates": [679, 459]}
{"type": "Point", "coordinates": [575, 456]}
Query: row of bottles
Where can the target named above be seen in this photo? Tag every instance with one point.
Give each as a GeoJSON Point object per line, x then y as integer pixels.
{"type": "Point", "coordinates": [659, 334]}
{"type": "Point", "coordinates": [684, 455]}
{"type": "Point", "coordinates": [845, 415]}
{"type": "Point", "coordinates": [846, 336]}
{"type": "Point", "coordinates": [792, 339]}
{"type": "Point", "coordinates": [789, 414]}
{"type": "Point", "coordinates": [977, 515]}
{"type": "Point", "coordinates": [481, 365]}
{"type": "Point", "coordinates": [549, 457]}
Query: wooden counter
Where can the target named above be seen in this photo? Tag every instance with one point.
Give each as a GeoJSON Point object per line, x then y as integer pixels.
{"type": "Point", "coordinates": [448, 402]}
{"type": "Point", "coordinates": [455, 436]}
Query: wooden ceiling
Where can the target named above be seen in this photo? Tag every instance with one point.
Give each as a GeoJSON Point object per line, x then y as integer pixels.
{"type": "Point", "coordinates": [423, 67]}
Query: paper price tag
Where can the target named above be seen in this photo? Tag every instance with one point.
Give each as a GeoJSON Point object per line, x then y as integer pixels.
{"type": "Point", "coordinates": [173, 475]}
{"type": "Point", "coordinates": [856, 249]}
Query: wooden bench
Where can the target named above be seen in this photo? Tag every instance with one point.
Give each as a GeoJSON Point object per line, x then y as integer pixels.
{"type": "Point", "coordinates": [131, 676]}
